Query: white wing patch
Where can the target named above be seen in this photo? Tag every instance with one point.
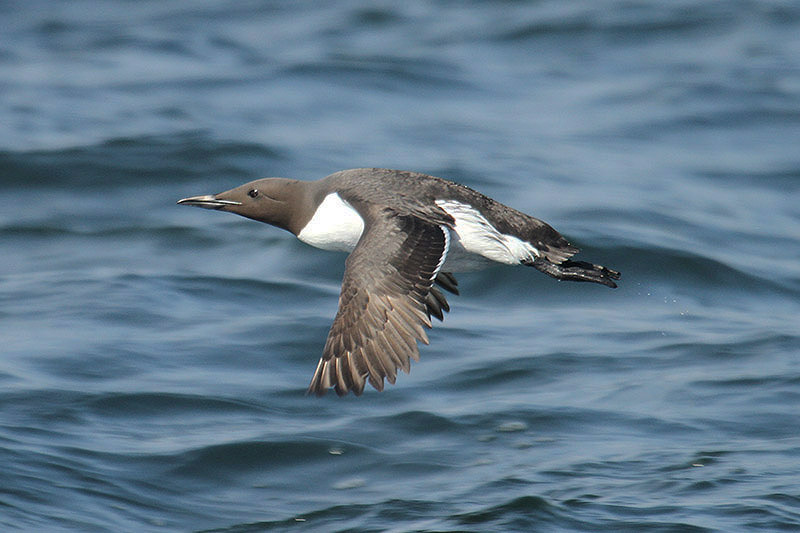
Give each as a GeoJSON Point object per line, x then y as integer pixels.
{"type": "Point", "coordinates": [335, 226]}
{"type": "Point", "coordinates": [446, 232]}
{"type": "Point", "coordinates": [474, 235]}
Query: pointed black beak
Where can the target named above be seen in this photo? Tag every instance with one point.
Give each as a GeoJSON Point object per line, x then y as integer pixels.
{"type": "Point", "coordinates": [208, 201]}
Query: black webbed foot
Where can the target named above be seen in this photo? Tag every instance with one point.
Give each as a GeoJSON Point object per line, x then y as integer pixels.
{"type": "Point", "coordinates": [576, 271]}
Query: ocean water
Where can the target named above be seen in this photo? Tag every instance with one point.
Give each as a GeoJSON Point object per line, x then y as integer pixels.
{"type": "Point", "coordinates": [154, 358]}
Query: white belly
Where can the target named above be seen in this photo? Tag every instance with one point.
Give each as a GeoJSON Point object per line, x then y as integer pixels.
{"type": "Point", "coordinates": [335, 226]}
{"type": "Point", "coordinates": [475, 242]}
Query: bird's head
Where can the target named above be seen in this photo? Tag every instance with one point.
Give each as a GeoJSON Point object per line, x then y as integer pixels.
{"type": "Point", "coordinates": [275, 201]}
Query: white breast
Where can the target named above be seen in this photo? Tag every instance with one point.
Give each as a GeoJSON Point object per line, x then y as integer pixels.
{"type": "Point", "coordinates": [335, 226]}
{"type": "Point", "coordinates": [476, 241]}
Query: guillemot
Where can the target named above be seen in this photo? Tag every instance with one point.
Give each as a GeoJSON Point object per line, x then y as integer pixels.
{"type": "Point", "coordinates": [406, 232]}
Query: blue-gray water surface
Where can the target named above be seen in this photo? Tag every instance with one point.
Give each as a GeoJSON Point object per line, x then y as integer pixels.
{"type": "Point", "coordinates": [154, 358]}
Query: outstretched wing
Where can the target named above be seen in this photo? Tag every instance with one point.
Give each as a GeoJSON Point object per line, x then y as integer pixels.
{"type": "Point", "coordinates": [382, 306]}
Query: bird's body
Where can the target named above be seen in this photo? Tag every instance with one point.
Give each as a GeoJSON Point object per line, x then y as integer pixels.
{"type": "Point", "coordinates": [405, 232]}
{"type": "Point", "coordinates": [475, 242]}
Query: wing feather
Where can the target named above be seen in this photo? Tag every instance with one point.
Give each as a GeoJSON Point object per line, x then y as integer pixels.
{"type": "Point", "coordinates": [384, 304]}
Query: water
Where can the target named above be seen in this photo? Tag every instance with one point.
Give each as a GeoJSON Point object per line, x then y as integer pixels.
{"type": "Point", "coordinates": [154, 357]}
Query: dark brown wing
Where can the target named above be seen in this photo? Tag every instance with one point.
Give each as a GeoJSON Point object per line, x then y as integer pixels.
{"type": "Point", "coordinates": [382, 306]}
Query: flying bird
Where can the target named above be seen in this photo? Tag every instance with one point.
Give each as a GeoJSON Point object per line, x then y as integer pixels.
{"type": "Point", "coordinates": [406, 233]}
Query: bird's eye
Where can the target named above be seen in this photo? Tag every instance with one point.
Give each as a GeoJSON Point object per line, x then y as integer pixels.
{"type": "Point", "coordinates": [252, 193]}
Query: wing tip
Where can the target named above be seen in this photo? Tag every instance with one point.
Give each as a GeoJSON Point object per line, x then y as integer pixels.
{"type": "Point", "coordinates": [340, 375]}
